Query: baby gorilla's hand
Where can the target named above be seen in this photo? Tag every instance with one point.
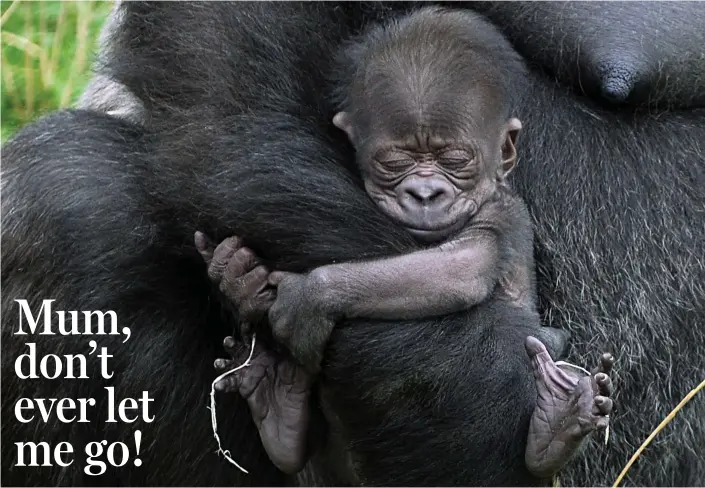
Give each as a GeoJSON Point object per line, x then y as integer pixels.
{"type": "Point", "coordinates": [235, 269]}
{"type": "Point", "coordinates": [300, 318]}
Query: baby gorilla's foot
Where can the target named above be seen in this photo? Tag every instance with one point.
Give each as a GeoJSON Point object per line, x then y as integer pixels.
{"type": "Point", "coordinates": [567, 409]}
{"type": "Point", "coordinates": [277, 391]}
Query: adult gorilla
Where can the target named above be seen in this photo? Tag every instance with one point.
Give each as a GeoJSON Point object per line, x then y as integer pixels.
{"type": "Point", "coordinates": [618, 198]}
{"type": "Point", "coordinates": [110, 210]}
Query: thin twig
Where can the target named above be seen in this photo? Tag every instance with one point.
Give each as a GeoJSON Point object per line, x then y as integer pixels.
{"type": "Point", "coordinates": [214, 421]}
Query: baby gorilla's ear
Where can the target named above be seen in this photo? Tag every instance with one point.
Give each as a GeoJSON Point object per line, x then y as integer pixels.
{"type": "Point", "coordinates": [509, 152]}
{"type": "Point", "coordinates": [342, 121]}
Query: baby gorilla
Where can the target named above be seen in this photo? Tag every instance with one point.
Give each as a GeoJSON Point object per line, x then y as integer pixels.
{"type": "Point", "coordinates": [426, 105]}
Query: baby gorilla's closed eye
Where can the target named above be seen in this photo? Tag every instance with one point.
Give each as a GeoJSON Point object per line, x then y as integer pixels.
{"type": "Point", "coordinates": [396, 162]}
{"type": "Point", "coordinates": [455, 160]}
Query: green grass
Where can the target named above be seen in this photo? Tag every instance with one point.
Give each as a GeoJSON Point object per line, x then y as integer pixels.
{"type": "Point", "coordinates": [47, 53]}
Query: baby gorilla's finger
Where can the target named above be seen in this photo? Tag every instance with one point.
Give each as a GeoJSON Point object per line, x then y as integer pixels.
{"type": "Point", "coordinates": [239, 263]}
{"type": "Point", "coordinates": [221, 257]}
{"type": "Point", "coordinates": [606, 364]}
{"type": "Point", "coordinates": [204, 246]}
{"type": "Point", "coordinates": [604, 405]}
{"type": "Point", "coordinates": [604, 384]}
{"type": "Point", "coordinates": [231, 347]}
{"type": "Point", "coordinates": [244, 276]}
{"type": "Point", "coordinates": [240, 289]}
{"type": "Point", "coordinates": [255, 308]}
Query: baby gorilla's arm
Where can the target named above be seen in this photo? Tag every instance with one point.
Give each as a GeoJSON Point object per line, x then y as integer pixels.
{"type": "Point", "coordinates": [438, 281]}
{"type": "Point", "coordinates": [455, 276]}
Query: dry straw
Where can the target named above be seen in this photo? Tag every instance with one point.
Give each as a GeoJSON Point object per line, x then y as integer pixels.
{"type": "Point", "coordinates": [214, 420]}
{"type": "Point", "coordinates": [661, 426]}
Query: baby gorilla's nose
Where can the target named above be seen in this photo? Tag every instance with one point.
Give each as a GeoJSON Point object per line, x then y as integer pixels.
{"type": "Point", "coordinates": [425, 206]}
{"type": "Point", "coordinates": [427, 193]}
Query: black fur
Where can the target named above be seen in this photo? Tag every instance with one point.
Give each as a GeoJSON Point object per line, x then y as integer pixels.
{"type": "Point", "coordinates": [618, 198]}
{"type": "Point", "coordinates": [638, 53]}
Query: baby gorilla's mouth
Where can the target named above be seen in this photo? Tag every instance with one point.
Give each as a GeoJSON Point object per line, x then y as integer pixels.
{"type": "Point", "coordinates": [435, 232]}
{"type": "Point", "coordinates": [430, 226]}
{"type": "Point", "coordinates": [435, 223]}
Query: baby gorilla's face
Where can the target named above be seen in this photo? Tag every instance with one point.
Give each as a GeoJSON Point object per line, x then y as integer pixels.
{"type": "Point", "coordinates": [433, 185]}
{"type": "Point", "coordinates": [432, 193]}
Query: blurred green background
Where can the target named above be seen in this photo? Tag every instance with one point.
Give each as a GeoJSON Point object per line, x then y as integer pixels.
{"type": "Point", "coordinates": [48, 50]}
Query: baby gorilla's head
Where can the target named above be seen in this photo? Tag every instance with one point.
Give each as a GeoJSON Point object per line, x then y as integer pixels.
{"type": "Point", "coordinates": [428, 116]}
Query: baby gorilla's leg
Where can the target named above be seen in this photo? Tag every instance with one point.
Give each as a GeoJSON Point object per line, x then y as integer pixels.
{"type": "Point", "coordinates": [277, 392]}
{"type": "Point", "coordinates": [567, 410]}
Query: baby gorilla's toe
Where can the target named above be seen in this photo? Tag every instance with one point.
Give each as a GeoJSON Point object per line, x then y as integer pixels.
{"type": "Point", "coordinates": [606, 364]}
{"type": "Point", "coordinates": [604, 384]}
{"type": "Point", "coordinates": [230, 347]}
{"type": "Point", "coordinates": [604, 405]}
{"type": "Point", "coordinates": [222, 365]}
{"type": "Point", "coordinates": [229, 384]}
